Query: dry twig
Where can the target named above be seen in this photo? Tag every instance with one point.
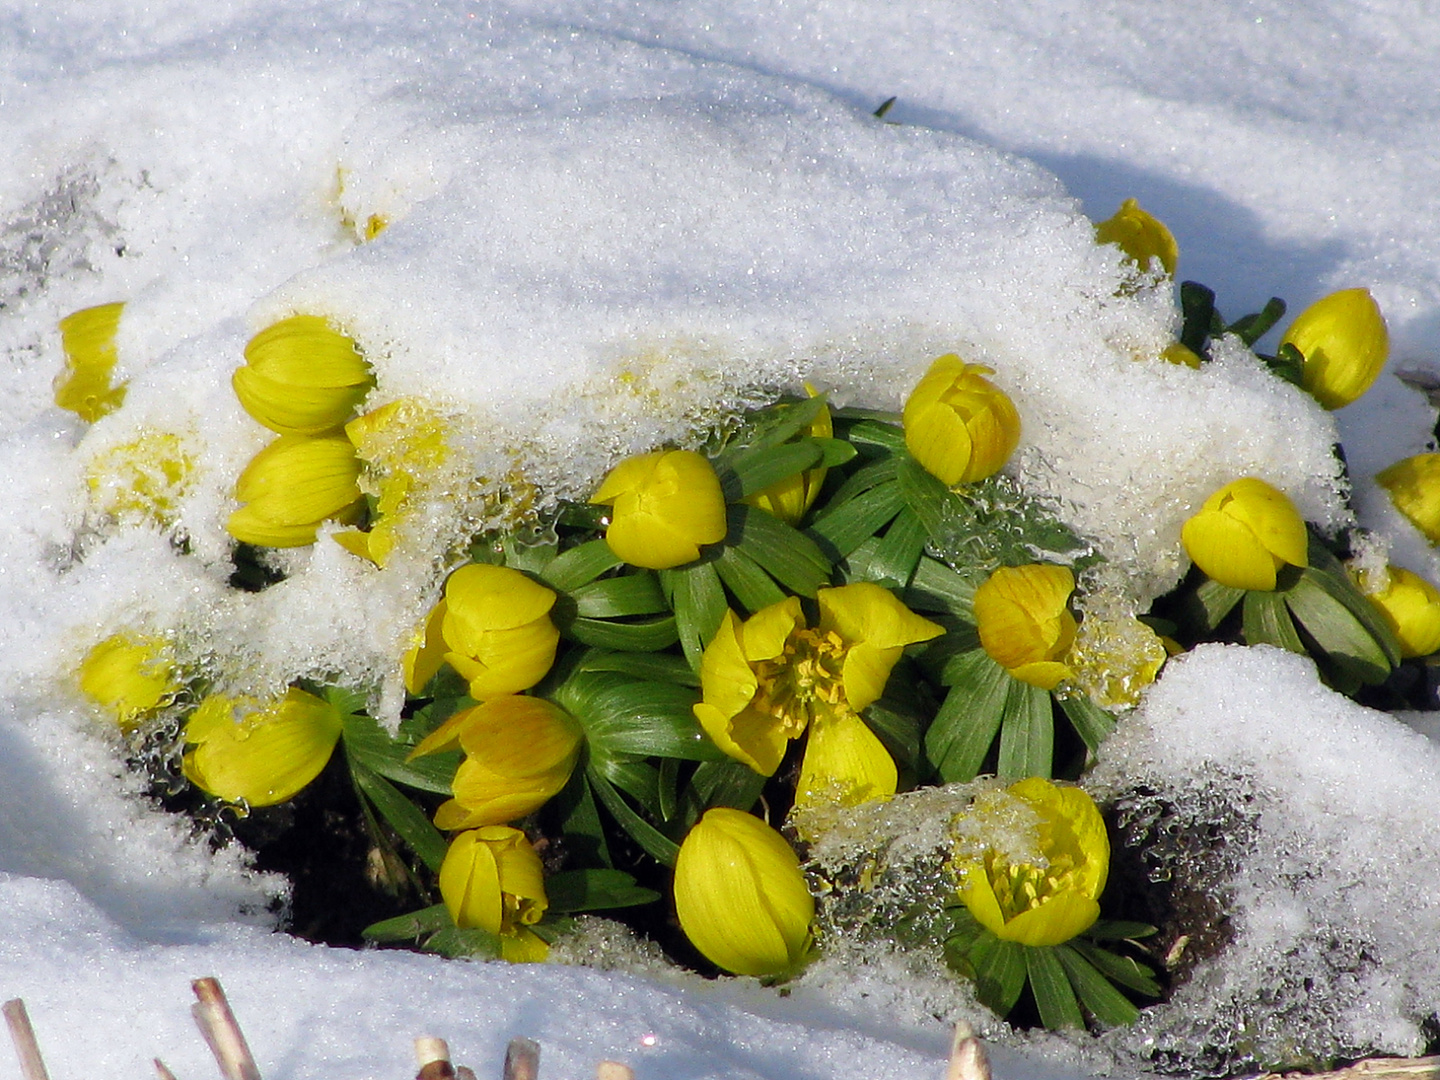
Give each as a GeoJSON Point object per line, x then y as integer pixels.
{"type": "Point", "coordinates": [32, 1065]}
{"type": "Point", "coordinates": [613, 1070]}
{"type": "Point", "coordinates": [968, 1060]}
{"type": "Point", "coordinates": [522, 1060]}
{"type": "Point", "coordinates": [217, 1023]}
{"type": "Point", "coordinates": [1422, 1068]}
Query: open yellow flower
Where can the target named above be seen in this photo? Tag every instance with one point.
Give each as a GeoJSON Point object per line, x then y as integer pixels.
{"type": "Point", "coordinates": [257, 752]}
{"type": "Point", "coordinates": [292, 486]}
{"type": "Point", "coordinates": [1244, 533]}
{"type": "Point", "coordinates": [1032, 862]}
{"type": "Point", "coordinates": [1023, 616]}
{"type": "Point", "coordinates": [492, 879]}
{"type": "Point", "coordinates": [1344, 341]}
{"type": "Point", "coordinates": [302, 377]}
{"type": "Point", "coordinates": [667, 505]}
{"type": "Point", "coordinates": [789, 499]}
{"type": "Point", "coordinates": [132, 677]}
{"type": "Point", "coordinates": [519, 752]}
{"type": "Point", "coordinates": [88, 339]}
{"type": "Point", "coordinates": [740, 896]}
{"type": "Point", "coordinates": [492, 626]}
{"type": "Point", "coordinates": [1411, 607]}
{"type": "Point", "coordinates": [1414, 486]}
{"type": "Point", "coordinates": [1140, 236]}
{"type": "Point", "coordinates": [959, 425]}
{"type": "Point", "coordinates": [771, 678]}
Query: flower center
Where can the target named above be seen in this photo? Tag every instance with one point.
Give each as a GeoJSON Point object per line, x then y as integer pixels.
{"type": "Point", "coordinates": [804, 681]}
{"type": "Point", "coordinates": [1020, 887]}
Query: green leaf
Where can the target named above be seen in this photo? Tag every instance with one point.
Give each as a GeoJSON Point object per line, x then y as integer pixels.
{"type": "Point", "coordinates": [1201, 320]}
{"type": "Point", "coordinates": [530, 554]}
{"type": "Point", "coordinates": [595, 890]}
{"type": "Point", "coordinates": [453, 942]}
{"type": "Point", "coordinates": [770, 427]}
{"type": "Point", "coordinates": [839, 531]}
{"type": "Point", "coordinates": [629, 594]}
{"type": "Point", "coordinates": [1330, 575]}
{"type": "Point", "coordinates": [698, 600]}
{"type": "Point", "coordinates": [345, 699]}
{"type": "Point", "coordinates": [877, 473]}
{"type": "Point", "coordinates": [635, 778]}
{"type": "Point", "coordinates": [726, 782]}
{"type": "Point", "coordinates": [936, 587]}
{"type": "Point", "coordinates": [1092, 723]}
{"type": "Point", "coordinates": [1119, 930]}
{"type": "Point", "coordinates": [999, 968]}
{"type": "Point", "coordinates": [899, 726]}
{"type": "Point", "coordinates": [964, 727]}
{"type": "Point", "coordinates": [899, 551]}
{"type": "Point", "coordinates": [369, 744]}
{"type": "Point", "coordinates": [657, 845]}
{"type": "Point", "coordinates": [408, 820]}
{"type": "Point", "coordinates": [641, 635]}
{"type": "Point", "coordinates": [580, 821]}
{"type": "Point", "coordinates": [411, 927]}
{"type": "Point", "coordinates": [580, 565]}
{"type": "Point", "coordinates": [656, 667]}
{"type": "Point", "coordinates": [1202, 610]}
{"type": "Point", "coordinates": [874, 433]}
{"type": "Point", "coordinates": [625, 716]}
{"type": "Point", "coordinates": [1288, 363]}
{"type": "Point", "coordinates": [1053, 997]}
{"type": "Point", "coordinates": [757, 470]}
{"type": "Point", "coordinates": [1251, 328]}
{"type": "Point", "coordinates": [1336, 630]}
{"type": "Point", "coordinates": [751, 586]}
{"type": "Point", "coordinates": [786, 554]}
{"type": "Point", "coordinates": [1267, 622]}
{"type": "Point", "coordinates": [1027, 733]}
{"type": "Point", "coordinates": [1109, 1007]}
{"type": "Point", "coordinates": [1117, 968]}
{"type": "Point", "coordinates": [926, 496]}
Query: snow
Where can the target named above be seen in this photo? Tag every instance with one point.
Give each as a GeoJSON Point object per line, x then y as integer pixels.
{"type": "Point", "coordinates": [609, 223]}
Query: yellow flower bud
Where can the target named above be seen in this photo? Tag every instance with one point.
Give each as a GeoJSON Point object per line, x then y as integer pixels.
{"type": "Point", "coordinates": [1181, 355]}
{"type": "Point", "coordinates": [666, 505]}
{"type": "Point", "coordinates": [88, 338]}
{"type": "Point", "coordinates": [1344, 342]}
{"type": "Point", "coordinates": [492, 879]}
{"type": "Point", "coordinates": [1023, 616]}
{"type": "Point", "coordinates": [1411, 607]}
{"type": "Point", "coordinates": [1032, 862]}
{"type": "Point", "coordinates": [302, 377]}
{"type": "Point", "coordinates": [519, 752]}
{"type": "Point", "coordinates": [1244, 533]}
{"type": "Point", "coordinates": [958, 425]}
{"type": "Point", "coordinates": [131, 677]}
{"type": "Point", "coordinates": [1414, 486]}
{"type": "Point", "coordinates": [740, 895]}
{"type": "Point", "coordinates": [497, 628]}
{"type": "Point", "coordinates": [293, 485]}
{"type": "Point", "coordinates": [1140, 236]}
{"type": "Point", "coordinates": [260, 753]}
{"type": "Point", "coordinates": [789, 499]}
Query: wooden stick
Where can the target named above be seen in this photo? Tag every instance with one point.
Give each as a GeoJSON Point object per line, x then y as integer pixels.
{"type": "Point", "coordinates": [522, 1060]}
{"type": "Point", "coordinates": [161, 1071]}
{"type": "Point", "coordinates": [32, 1065]}
{"type": "Point", "coordinates": [222, 1033]}
{"type": "Point", "coordinates": [1423, 1068]}
{"type": "Point", "coordinates": [433, 1057]}
{"type": "Point", "coordinates": [613, 1070]}
{"type": "Point", "coordinates": [968, 1060]}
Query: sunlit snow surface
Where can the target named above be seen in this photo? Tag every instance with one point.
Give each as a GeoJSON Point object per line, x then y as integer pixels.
{"type": "Point", "coordinates": [610, 225]}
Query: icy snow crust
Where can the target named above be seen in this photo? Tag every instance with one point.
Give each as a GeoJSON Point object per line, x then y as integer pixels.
{"type": "Point", "coordinates": [606, 238]}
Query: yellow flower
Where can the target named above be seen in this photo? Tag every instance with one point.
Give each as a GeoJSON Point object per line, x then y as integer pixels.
{"type": "Point", "coordinates": [1414, 486]}
{"type": "Point", "coordinates": [1024, 620]}
{"type": "Point", "coordinates": [302, 377]}
{"type": "Point", "coordinates": [666, 505]}
{"type": "Point", "coordinates": [1181, 355]}
{"type": "Point", "coordinates": [257, 752]}
{"type": "Point", "coordinates": [88, 338]}
{"type": "Point", "coordinates": [519, 752]}
{"type": "Point", "coordinates": [958, 425]}
{"type": "Point", "coordinates": [293, 485]}
{"type": "Point", "coordinates": [401, 447]}
{"type": "Point", "coordinates": [1411, 607]}
{"type": "Point", "coordinates": [1344, 342]}
{"type": "Point", "coordinates": [789, 499]}
{"type": "Point", "coordinates": [768, 680]}
{"type": "Point", "coordinates": [143, 479]}
{"type": "Point", "coordinates": [494, 628]}
{"type": "Point", "coordinates": [1244, 533]}
{"type": "Point", "coordinates": [740, 896]}
{"type": "Point", "coordinates": [492, 879]}
{"type": "Point", "coordinates": [1140, 236]}
{"type": "Point", "coordinates": [1033, 862]}
{"type": "Point", "coordinates": [132, 677]}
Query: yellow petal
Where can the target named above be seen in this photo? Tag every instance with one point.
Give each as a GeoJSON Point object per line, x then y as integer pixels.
{"type": "Point", "coordinates": [295, 410]}
{"type": "Point", "coordinates": [261, 754]}
{"type": "Point", "coordinates": [1024, 622]}
{"type": "Point", "coordinates": [666, 505]}
{"type": "Point", "coordinates": [1345, 343]}
{"type": "Point", "coordinates": [1414, 486]}
{"type": "Point", "coordinates": [876, 626]}
{"type": "Point", "coordinates": [1227, 551]}
{"type": "Point", "coordinates": [1140, 236]}
{"type": "Point", "coordinates": [1410, 606]}
{"type": "Point", "coordinates": [424, 661]}
{"type": "Point", "coordinates": [88, 339]}
{"type": "Point", "coordinates": [1052, 923]}
{"type": "Point", "coordinates": [958, 425]}
{"type": "Point", "coordinates": [764, 634]}
{"type": "Point", "coordinates": [470, 883]}
{"type": "Point", "coordinates": [130, 676]}
{"type": "Point", "coordinates": [1270, 515]}
{"type": "Point", "coordinates": [845, 764]}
